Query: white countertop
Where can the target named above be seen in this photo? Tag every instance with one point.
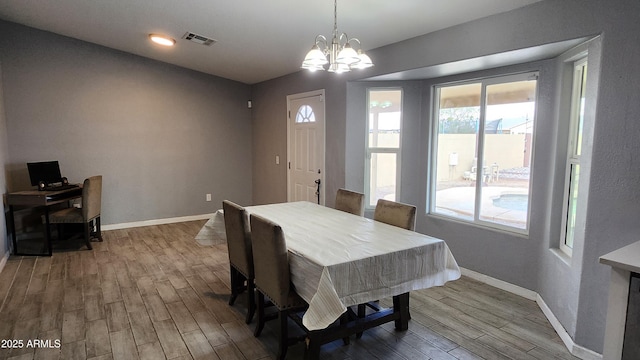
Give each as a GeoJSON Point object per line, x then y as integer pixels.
{"type": "Point", "coordinates": [627, 258]}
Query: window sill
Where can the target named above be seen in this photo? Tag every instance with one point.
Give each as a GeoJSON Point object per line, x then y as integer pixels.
{"type": "Point", "coordinates": [564, 257]}
{"type": "Point", "coordinates": [515, 233]}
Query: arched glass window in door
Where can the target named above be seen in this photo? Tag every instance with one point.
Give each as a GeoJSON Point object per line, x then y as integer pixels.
{"type": "Point", "coordinates": [305, 114]}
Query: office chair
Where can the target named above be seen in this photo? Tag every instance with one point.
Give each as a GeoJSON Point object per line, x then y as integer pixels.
{"type": "Point", "coordinates": [88, 215]}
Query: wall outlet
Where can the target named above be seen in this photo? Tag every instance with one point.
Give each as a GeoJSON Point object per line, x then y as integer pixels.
{"type": "Point", "coordinates": [208, 197]}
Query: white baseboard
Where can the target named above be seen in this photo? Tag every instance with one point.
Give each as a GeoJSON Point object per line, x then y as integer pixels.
{"type": "Point", "coordinates": [503, 285]}
{"type": "Point", "coordinates": [156, 222]}
{"type": "Point", "coordinates": [575, 350]}
{"type": "Point", "coordinates": [4, 259]}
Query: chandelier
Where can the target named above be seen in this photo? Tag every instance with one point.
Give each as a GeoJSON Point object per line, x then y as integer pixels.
{"type": "Point", "coordinates": [342, 56]}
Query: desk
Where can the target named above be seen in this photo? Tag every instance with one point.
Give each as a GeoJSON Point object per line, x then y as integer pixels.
{"type": "Point", "coordinates": [36, 198]}
{"type": "Point", "coordinates": [338, 260]}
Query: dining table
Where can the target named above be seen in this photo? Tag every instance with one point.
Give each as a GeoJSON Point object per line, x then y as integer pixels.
{"type": "Point", "coordinates": [338, 260]}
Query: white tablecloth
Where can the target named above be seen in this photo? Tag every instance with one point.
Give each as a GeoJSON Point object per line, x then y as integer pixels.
{"type": "Point", "coordinates": [338, 259]}
{"type": "Point", "coordinates": [213, 231]}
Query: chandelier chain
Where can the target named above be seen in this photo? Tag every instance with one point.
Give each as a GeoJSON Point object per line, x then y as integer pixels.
{"type": "Point", "coordinates": [335, 18]}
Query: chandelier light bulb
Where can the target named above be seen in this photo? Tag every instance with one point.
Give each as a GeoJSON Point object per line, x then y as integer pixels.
{"type": "Point", "coordinates": [347, 55]}
{"type": "Point", "coordinates": [315, 59]}
{"type": "Point", "coordinates": [343, 57]}
{"type": "Point", "coordinates": [365, 61]}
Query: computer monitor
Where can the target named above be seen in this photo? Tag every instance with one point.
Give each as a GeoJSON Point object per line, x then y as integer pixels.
{"type": "Point", "coordinates": [46, 171]}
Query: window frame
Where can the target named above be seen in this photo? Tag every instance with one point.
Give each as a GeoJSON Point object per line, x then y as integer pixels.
{"type": "Point", "coordinates": [369, 151]}
{"type": "Point", "coordinates": [432, 162]}
{"type": "Point", "coordinates": [578, 86]}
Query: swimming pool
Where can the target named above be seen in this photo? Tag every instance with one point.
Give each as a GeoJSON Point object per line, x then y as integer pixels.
{"type": "Point", "coordinates": [512, 202]}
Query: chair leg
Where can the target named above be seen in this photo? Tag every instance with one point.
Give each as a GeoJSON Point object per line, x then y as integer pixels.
{"type": "Point", "coordinates": [98, 231]}
{"type": "Point", "coordinates": [283, 334]}
{"type": "Point", "coordinates": [251, 300]}
{"type": "Point", "coordinates": [87, 235]}
{"type": "Point", "coordinates": [235, 277]}
{"type": "Point", "coordinates": [261, 319]}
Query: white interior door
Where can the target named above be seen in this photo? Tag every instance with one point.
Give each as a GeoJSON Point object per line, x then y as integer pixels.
{"type": "Point", "coordinates": [306, 147]}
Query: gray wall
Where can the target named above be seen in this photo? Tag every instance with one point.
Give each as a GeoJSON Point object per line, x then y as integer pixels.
{"type": "Point", "coordinates": [161, 136]}
{"type": "Point", "coordinates": [269, 118]}
{"type": "Point", "coordinates": [576, 288]}
{"type": "Point", "coordinates": [4, 247]}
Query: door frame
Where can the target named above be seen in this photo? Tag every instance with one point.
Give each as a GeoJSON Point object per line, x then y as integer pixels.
{"type": "Point", "coordinates": [291, 97]}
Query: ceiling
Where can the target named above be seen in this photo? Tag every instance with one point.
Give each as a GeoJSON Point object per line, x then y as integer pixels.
{"type": "Point", "coordinates": [257, 40]}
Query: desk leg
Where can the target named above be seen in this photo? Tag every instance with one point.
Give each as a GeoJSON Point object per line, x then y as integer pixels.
{"type": "Point", "coordinates": [12, 222]}
{"type": "Point", "coordinates": [401, 305]}
{"type": "Point", "coordinates": [47, 231]}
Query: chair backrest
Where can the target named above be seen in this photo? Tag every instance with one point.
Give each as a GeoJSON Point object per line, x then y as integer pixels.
{"type": "Point", "coordinates": [396, 214]}
{"type": "Point", "coordinates": [238, 237]}
{"type": "Point", "coordinates": [92, 198]}
{"type": "Point", "coordinates": [270, 259]}
{"type": "Point", "coordinates": [350, 201]}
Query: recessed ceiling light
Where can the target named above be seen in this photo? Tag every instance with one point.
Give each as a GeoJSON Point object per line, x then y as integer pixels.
{"type": "Point", "coordinates": [162, 40]}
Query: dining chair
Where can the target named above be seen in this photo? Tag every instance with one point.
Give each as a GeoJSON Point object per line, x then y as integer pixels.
{"type": "Point", "coordinates": [396, 214]}
{"type": "Point", "coordinates": [88, 214]}
{"type": "Point", "coordinates": [271, 261]}
{"type": "Point", "coordinates": [241, 269]}
{"type": "Point", "coordinates": [350, 201]}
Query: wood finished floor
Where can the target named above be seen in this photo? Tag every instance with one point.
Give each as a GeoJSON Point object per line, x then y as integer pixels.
{"type": "Point", "coordinates": [154, 293]}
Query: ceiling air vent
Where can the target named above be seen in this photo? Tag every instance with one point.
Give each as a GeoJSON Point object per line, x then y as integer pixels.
{"type": "Point", "coordinates": [199, 39]}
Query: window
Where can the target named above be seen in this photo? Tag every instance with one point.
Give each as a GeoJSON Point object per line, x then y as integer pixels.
{"type": "Point", "coordinates": [573, 155]}
{"type": "Point", "coordinates": [382, 168]}
{"type": "Point", "coordinates": [483, 138]}
{"type": "Point", "coordinates": [305, 114]}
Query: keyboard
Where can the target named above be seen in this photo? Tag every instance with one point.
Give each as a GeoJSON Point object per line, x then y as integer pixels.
{"type": "Point", "coordinates": [61, 187]}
